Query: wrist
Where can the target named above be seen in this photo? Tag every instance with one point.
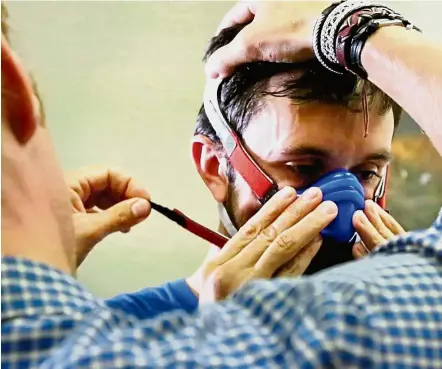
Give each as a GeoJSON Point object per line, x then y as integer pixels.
{"type": "Point", "coordinates": [379, 42]}
{"type": "Point", "coordinates": [343, 29]}
{"type": "Point", "coordinates": [194, 283]}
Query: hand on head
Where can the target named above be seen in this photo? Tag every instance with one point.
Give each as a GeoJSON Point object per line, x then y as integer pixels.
{"type": "Point", "coordinates": [278, 32]}
{"type": "Point", "coordinates": [282, 239]}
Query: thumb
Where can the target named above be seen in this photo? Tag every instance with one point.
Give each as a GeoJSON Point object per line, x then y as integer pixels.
{"type": "Point", "coordinates": [122, 216]}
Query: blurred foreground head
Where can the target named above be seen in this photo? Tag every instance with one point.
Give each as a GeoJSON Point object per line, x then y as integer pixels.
{"type": "Point", "coordinates": [36, 215]}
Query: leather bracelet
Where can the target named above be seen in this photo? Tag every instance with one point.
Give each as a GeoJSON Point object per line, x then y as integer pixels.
{"type": "Point", "coordinates": [333, 21]}
{"type": "Point", "coordinates": [343, 28]}
{"type": "Point", "coordinates": [326, 28]}
{"type": "Point", "coordinates": [356, 30]}
{"type": "Point", "coordinates": [353, 61]}
{"type": "Point", "coordinates": [350, 27]}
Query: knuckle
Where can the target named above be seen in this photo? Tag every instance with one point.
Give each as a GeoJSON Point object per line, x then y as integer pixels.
{"type": "Point", "coordinates": [284, 242]}
{"type": "Point", "coordinates": [82, 188]}
{"type": "Point", "coordinates": [114, 173]}
{"type": "Point", "coordinates": [251, 230]}
{"type": "Point", "coordinates": [269, 52]}
{"type": "Point", "coordinates": [114, 170]}
{"type": "Point", "coordinates": [259, 44]}
{"type": "Point", "coordinates": [121, 219]}
{"type": "Point", "coordinates": [73, 194]}
{"type": "Point", "coordinates": [75, 186]}
{"type": "Point", "coordinates": [249, 45]}
{"type": "Point", "coordinates": [269, 234]}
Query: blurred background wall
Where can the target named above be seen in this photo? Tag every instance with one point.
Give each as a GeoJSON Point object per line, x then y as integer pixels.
{"type": "Point", "coordinates": [122, 83]}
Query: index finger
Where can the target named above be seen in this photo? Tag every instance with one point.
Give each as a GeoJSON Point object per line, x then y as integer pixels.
{"type": "Point", "coordinates": [261, 220]}
{"type": "Point", "coordinates": [241, 50]}
{"type": "Point", "coordinates": [290, 242]}
{"type": "Point", "coordinates": [240, 13]}
{"type": "Point", "coordinates": [120, 186]}
{"type": "Point", "coordinates": [390, 222]}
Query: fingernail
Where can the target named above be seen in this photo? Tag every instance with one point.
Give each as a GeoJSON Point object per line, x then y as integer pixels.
{"type": "Point", "coordinates": [140, 208]}
{"type": "Point", "coordinates": [329, 207]}
{"type": "Point", "coordinates": [360, 216]}
{"type": "Point", "coordinates": [311, 193]}
{"type": "Point", "coordinates": [370, 205]}
{"type": "Point", "coordinates": [288, 192]}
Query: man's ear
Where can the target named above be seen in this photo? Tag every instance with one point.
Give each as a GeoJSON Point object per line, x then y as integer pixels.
{"type": "Point", "coordinates": [211, 166]}
{"type": "Point", "coordinates": [18, 100]}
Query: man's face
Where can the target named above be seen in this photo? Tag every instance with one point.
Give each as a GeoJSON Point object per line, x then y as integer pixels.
{"type": "Point", "coordinates": [297, 144]}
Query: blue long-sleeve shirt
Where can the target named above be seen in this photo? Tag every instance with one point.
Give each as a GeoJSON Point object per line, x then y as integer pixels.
{"type": "Point", "coordinates": [381, 312]}
{"type": "Point", "coordinates": [152, 301]}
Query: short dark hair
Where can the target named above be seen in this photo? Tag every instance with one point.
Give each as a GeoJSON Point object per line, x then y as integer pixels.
{"type": "Point", "coordinates": [243, 93]}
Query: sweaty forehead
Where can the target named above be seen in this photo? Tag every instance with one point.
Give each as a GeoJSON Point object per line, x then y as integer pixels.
{"type": "Point", "coordinates": [282, 126]}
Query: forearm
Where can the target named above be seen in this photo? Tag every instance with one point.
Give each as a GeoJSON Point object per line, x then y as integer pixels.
{"type": "Point", "coordinates": [153, 301]}
{"type": "Point", "coordinates": [407, 66]}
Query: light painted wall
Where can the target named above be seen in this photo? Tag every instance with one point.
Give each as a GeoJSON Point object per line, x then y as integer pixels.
{"type": "Point", "coordinates": [122, 83]}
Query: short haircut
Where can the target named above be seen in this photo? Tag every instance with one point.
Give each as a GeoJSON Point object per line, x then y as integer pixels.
{"type": "Point", "coordinates": [243, 93]}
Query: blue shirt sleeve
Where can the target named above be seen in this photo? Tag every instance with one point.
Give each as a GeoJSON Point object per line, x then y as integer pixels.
{"type": "Point", "coordinates": [150, 302]}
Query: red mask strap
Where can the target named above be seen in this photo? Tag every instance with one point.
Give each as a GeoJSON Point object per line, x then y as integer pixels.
{"type": "Point", "coordinates": [260, 183]}
{"type": "Point", "coordinates": [197, 229]}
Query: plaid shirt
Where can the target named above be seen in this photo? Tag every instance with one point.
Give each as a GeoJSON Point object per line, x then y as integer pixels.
{"type": "Point", "coordinates": [383, 311]}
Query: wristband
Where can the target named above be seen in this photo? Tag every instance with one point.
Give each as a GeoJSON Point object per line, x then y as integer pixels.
{"type": "Point", "coordinates": [340, 33]}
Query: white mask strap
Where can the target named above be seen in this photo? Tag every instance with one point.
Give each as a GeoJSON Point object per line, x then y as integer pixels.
{"type": "Point", "coordinates": [226, 221]}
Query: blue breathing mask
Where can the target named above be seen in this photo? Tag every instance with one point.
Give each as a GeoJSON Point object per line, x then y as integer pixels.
{"type": "Point", "coordinates": [344, 189]}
